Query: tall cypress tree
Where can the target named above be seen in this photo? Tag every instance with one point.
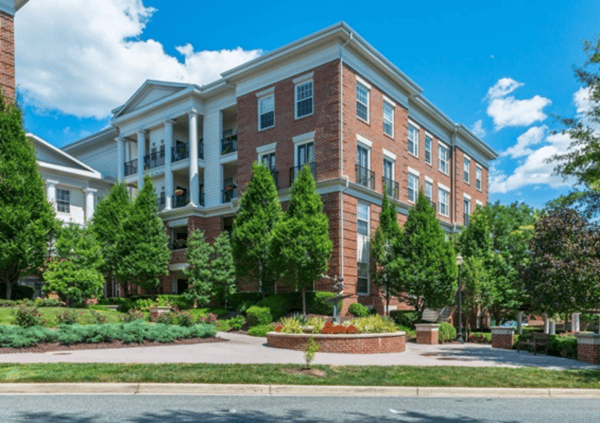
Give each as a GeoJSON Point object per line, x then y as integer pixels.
{"type": "Point", "coordinates": [27, 220]}
{"type": "Point", "coordinates": [143, 243]}
{"type": "Point", "coordinates": [301, 243]}
{"type": "Point", "coordinates": [223, 268]}
{"type": "Point", "coordinates": [427, 264]}
{"type": "Point", "coordinates": [198, 272]}
{"type": "Point", "coordinates": [253, 229]}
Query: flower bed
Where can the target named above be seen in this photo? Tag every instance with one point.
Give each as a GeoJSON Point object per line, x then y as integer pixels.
{"type": "Point", "coordinates": [363, 343]}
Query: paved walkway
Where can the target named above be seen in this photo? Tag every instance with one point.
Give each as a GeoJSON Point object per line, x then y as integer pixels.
{"type": "Point", "coordinates": [253, 350]}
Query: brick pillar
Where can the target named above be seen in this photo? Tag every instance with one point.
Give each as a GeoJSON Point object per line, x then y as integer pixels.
{"type": "Point", "coordinates": [588, 347]}
{"type": "Point", "coordinates": [427, 333]}
{"type": "Point", "coordinates": [7, 56]}
{"type": "Point", "coordinates": [502, 337]}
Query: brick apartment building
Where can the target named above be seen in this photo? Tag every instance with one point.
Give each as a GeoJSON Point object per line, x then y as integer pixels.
{"type": "Point", "coordinates": [329, 100]}
{"type": "Point", "coordinates": [8, 9]}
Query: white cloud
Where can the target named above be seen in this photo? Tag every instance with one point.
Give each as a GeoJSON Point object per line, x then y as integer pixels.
{"type": "Point", "coordinates": [506, 110]}
{"type": "Point", "coordinates": [83, 58]}
{"type": "Point", "coordinates": [533, 136]}
{"type": "Point", "coordinates": [477, 129]}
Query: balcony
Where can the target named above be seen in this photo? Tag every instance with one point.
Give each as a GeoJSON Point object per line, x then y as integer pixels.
{"type": "Point", "coordinates": [154, 159]}
{"type": "Point", "coordinates": [229, 144]}
{"type": "Point", "coordinates": [201, 148]}
{"type": "Point", "coordinates": [275, 175]}
{"type": "Point", "coordinates": [182, 200]}
{"type": "Point", "coordinates": [365, 177]}
{"type": "Point", "coordinates": [391, 187]}
{"type": "Point", "coordinates": [294, 171]}
{"type": "Point", "coordinates": [179, 152]}
{"type": "Point", "coordinates": [131, 167]}
{"type": "Point", "coordinates": [229, 194]}
{"type": "Point", "coordinates": [161, 202]}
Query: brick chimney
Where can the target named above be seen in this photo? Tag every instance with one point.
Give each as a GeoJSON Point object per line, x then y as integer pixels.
{"type": "Point", "coordinates": [8, 8]}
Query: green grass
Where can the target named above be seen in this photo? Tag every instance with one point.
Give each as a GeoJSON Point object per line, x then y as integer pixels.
{"type": "Point", "coordinates": [49, 314]}
{"type": "Point", "coordinates": [274, 374]}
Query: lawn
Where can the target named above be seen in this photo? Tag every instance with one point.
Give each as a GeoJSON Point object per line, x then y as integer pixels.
{"type": "Point", "coordinates": [492, 377]}
{"type": "Point", "coordinates": [50, 313]}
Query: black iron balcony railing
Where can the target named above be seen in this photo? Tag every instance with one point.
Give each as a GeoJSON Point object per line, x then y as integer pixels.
{"type": "Point", "coordinates": [391, 187]}
{"type": "Point", "coordinates": [294, 171]}
{"type": "Point", "coordinates": [202, 198]}
{"type": "Point", "coordinates": [154, 159]}
{"type": "Point", "coordinates": [131, 167]}
{"type": "Point", "coordinates": [229, 193]}
{"type": "Point", "coordinates": [179, 152]}
{"type": "Point", "coordinates": [365, 177]}
{"type": "Point", "coordinates": [161, 202]}
{"type": "Point", "coordinates": [229, 144]}
{"type": "Point", "coordinates": [180, 200]}
{"type": "Point", "coordinates": [275, 175]}
{"type": "Point", "coordinates": [201, 148]}
{"type": "Point", "coordinates": [179, 244]}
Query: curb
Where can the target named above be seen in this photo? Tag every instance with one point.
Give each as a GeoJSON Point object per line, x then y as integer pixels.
{"type": "Point", "coordinates": [284, 390]}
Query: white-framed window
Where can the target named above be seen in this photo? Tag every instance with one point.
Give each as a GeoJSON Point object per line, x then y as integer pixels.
{"type": "Point", "coordinates": [304, 153]}
{"type": "Point", "coordinates": [363, 249]}
{"type": "Point", "coordinates": [444, 201]}
{"type": "Point", "coordinates": [413, 187]}
{"type": "Point", "coordinates": [63, 200]}
{"type": "Point", "coordinates": [467, 208]}
{"type": "Point", "coordinates": [304, 99]}
{"type": "Point", "coordinates": [467, 170]}
{"type": "Point", "coordinates": [266, 112]}
{"type": "Point", "coordinates": [443, 158]}
{"type": "Point", "coordinates": [429, 190]}
{"type": "Point", "coordinates": [362, 101]}
{"type": "Point", "coordinates": [478, 177]}
{"type": "Point", "coordinates": [363, 166]}
{"type": "Point", "coordinates": [388, 119]}
{"type": "Point", "coordinates": [428, 146]}
{"type": "Point", "coordinates": [413, 140]}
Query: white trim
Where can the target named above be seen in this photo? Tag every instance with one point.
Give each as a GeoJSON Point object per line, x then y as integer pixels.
{"type": "Point", "coordinates": [363, 82]}
{"type": "Point", "coordinates": [389, 101]}
{"type": "Point", "coordinates": [363, 140]}
{"type": "Point", "coordinates": [368, 241]}
{"type": "Point", "coordinates": [428, 179]}
{"type": "Point", "coordinates": [303, 78]}
{"type": "Point", "coordinates": [389, 154]}
{"type": "Point", "coordinates": [467, 196]}
{"type": "Point", "coordinates": [266, 148]}
{"type": "Point", "coordinates": [306, 137]}
{"type": "Point", "coordinates": [479, 203]}
{"type": "Point", "coordinates": [413, 171]}
{"type": "Point", "coordinates": [312, 98]}
{"type": "Point", "coordinates": [466, 157]}
{"type": "Point", "coordinates": [443, 145]}
{"type": "Point", "coordinates": [428, 134]}
{"type": "Point", "coordinates": [413, 123]}
{"type": "Point", "coordinates": [261, 98]}
{"type": "Point", "coordinates": [444, 187]}
{"type": "Point", "coordinates": [266, 92]}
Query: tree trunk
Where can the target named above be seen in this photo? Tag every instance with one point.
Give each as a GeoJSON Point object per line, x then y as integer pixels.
{"type": "Point", "coordinates": [10, 277]}
{"type": "Point", "coordinates": [387, 305]}
{"type": "Point", "coordinates": [304, 301]}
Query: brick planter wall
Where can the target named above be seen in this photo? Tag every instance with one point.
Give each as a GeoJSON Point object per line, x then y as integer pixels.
{"type": "Point", "coordinates": [502, 337]}
{"type": "Point", "coordinates": [371, 343]}
{"type": "Point", "coordinates": [588, 347]}
{"type": "Point", "coordinates": [427, 333]}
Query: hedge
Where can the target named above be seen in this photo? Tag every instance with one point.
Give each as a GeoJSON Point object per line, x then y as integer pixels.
{"type": "Point", "coordinates": [358, 310]}
{"type": "Point", "coordinates": [256, 315]}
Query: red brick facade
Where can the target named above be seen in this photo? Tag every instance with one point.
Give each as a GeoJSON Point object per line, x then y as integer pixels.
{"type": "Point", "coordinates": [7, 55]}
{"type": "Point", "coordinates": [347, 344]}
{"type": "Point", "coordinates": [503, 338]}
{"type": "Point", "coordinates": [588, 348]}
{"type": "Point", "coordinates": [427, 334]}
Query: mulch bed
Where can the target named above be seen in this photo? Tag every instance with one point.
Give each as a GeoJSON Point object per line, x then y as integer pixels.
{"type": "Point", "coordinates": [308, 372]}
{"type": "Point", "coordinates": [44, 347]}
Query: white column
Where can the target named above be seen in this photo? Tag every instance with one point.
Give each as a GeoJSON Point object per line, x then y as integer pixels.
{"type": "Point", "coordinates": [520, 322]}
{"type": "Point", "coordinates": [141, 145]}
{"type": "Point", "coordinates": [168, 171]}
{"type": "Point", "coordinates": [193, 137]}
{"type": "Point", "coordinates": [51, 192]}
{"type": "Point", "coordinates": [120, 158]}
{"type": "Point", "coordinates": [546, 325]}
{"type": "Point", "coordinates": [575, 322]}
{"type": "Point", "coordinates": [89, 203]}
{"type": "Point", "coordinates": [213, 171]}
{"type": "Point", "coordinates": [552, 327]}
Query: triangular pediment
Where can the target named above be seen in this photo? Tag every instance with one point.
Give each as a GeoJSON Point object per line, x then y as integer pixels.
{"type": "Point", "coordinates": [49, 154]}
{"type": "Point", "coordinates": [150, 92]}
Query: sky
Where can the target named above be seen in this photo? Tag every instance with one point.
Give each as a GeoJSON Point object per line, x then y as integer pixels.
{"type": "Point", "coordinates": [503, 69]}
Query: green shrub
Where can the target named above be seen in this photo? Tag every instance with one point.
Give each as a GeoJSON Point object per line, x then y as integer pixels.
{"type": "Point", "coordinates": [410, 332]}
{"type": "Point", "coordinates": [125, 304]}
{"type": "Point", "coordinates": [317, 324]}
{"type": "Point", "coordinates": [301, 318]}
{"type": "Point", "coordinates": [373, 324]}
{"type": "Point", "coordinates": [358, 310]}
{"type": "Point", "coordinates": [290, 325]}
{"type": "Point", "coordinates": [184, 319]}
{"type": "Point", "coordinates": [47, 302]}
{"type": "Point", "coordinates": [67, 317]}
{"type": "Point", "coordinates": [165, 318]}
{"type": "Point", "coordinates": [237, 322]}
{"type": "Point", "coordinates": [447, 332]}
{"type": "Point", "coordinates": [26, 317]}
{"type": "Point", "coordinates": [279, 304]}
{"type": "Point", "coordinates": [222, 325]}
{"type": "Point", "coordinates": [260, 330]}
{"type": "Point", "coordinates": [258, 316]}
{"type": "Point", "coordinates": [563, 346]}
{"type": "Point", "coordinates": [131, 316]}
{"type": "Point", "coordinates": [7, 303]}
{"type": "Point", "coordinates": [21, 292]}
{"type": "Point", "coordinates": [242, 301]}
{"type": "Point", "coordinates": [405, 318]}
{"type": "Point", "coordinates": [98, 317]}
{"type": "Point", "coordinates": [480, 337]}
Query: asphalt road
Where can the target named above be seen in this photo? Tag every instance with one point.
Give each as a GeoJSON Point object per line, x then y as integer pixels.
{"type": "Point", "coordinates": [217, 409]}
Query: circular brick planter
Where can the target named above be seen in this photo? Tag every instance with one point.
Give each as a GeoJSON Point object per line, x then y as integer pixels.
{"type": "Point", "coordinates": [365, 343]}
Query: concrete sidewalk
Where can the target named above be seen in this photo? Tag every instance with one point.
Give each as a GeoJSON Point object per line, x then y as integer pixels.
{"type": "Point", "coordinates": [245, 349]}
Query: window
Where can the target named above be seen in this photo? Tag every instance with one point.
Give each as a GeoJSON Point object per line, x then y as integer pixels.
{"type": "Point", "coordinates": [362, 102]}
{"type": "Point", "coordinates": [304, 99]}
{"type": "Point", "coordinates": [266, 112]}
{"type": "Point", "coordinates": [443, 200]}
{"type": "Point", "coordinates": [362, 284]}
{"type": "Point", "coordinates": [428, 142]}
{"type": "Point", "coordinates": [429, 190]}
{"type": "Point", "coordinates": [388, 119]}
{"type": "Point", "coordinates": [443, 157]}
{"type": "Point", "coordinates": [413, 140]}
{"type": "Point", "coordinates": [268, 159]}
{"type": "Point", "coordinates": [466, 168]}
{"type": "Point", "coordinates": [467, 210]}
{"type": "Point", "coordinates": [363, 174]}
{"type": "Point", "coordinates": [413, 187]}
{"type": "Point", "coordinates": [478, 172]}
{"type": "Point", "coordinates": [63, 200]}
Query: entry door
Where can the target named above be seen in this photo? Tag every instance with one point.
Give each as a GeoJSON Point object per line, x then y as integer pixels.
{"type": "Point", "coordinates": [306, 154]}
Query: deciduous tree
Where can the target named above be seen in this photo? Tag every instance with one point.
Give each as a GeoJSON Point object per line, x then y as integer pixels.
{"type": "Point", "coordinates": [223, 268]}
{"type": "Point", "coordinates": [198, 272]}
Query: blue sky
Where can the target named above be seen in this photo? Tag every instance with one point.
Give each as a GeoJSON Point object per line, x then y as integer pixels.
{"type": "Point", "coordinates": [500, 68]}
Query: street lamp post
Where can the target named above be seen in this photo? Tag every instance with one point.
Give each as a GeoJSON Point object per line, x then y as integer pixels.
{"type": "Point", "coordinates": [459, 262]}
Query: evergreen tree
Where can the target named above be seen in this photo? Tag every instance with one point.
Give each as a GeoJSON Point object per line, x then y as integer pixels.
{"type": "Point", "coordinates": [223, 269]}
{"type": "Point", "coordinates": [301, 245]}
{"type": "Point", "coordinates": [107, 225]}
{"type": "Point", "coordinates": [27, 220]}
{"type": "Point", "coordinates": [256, 217]}
{"type": "Point", "coordinates": [198, 272]}
{"type": "Point", "coordinates": [384, 251]}
{"type": "Point", "coordinates": [74, 273]}
{"type": "Point", "coordinates": [427, 262]}
{"type": "Point", "coordinates": [143, 243]}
